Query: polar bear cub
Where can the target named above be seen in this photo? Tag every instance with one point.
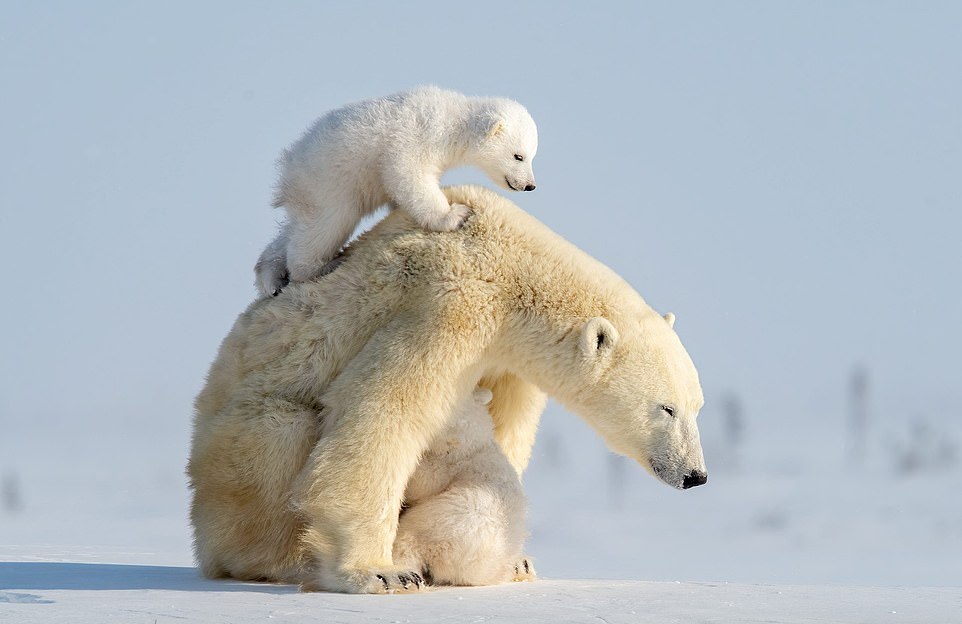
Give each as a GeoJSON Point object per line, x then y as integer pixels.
{"type": "Point", "coordinates": [390, 150]}
{"type": "Point", "coordinates": [463, 522]}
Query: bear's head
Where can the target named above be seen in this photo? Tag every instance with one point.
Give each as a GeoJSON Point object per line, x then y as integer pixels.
{"type": "Point", "coordinates": [583, 335]}
{"type": "Point", "coordinates": [640, 390]}
{"type": "Point", "coordinates": [508, 142]}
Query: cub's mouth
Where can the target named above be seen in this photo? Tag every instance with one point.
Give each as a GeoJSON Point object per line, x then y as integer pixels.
{"type": "Point", "coordinates": [510, 186]}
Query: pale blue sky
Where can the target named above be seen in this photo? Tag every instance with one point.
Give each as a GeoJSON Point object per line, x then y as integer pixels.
{"type": "Point", "coordinates": [784, 177]}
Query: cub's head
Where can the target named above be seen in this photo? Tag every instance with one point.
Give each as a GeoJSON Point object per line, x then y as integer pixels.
{"type": "Point", "coordinates": [641, 392]}
{"type": "Point", "coordinates": [507, 144]}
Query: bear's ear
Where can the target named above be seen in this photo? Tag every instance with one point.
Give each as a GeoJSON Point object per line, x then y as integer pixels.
{"type": "Point", "coordinates": [598, 336]}
{"type": "Point", "coordinates": [670, 318]}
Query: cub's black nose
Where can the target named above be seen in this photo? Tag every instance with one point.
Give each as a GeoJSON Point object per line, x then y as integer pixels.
{"type": "Point", "coordinates": [694, 478]}
{"type": "Point", "coordinates": [529, 187]}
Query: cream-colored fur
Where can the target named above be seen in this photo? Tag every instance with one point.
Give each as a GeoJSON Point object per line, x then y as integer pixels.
{"type": "Point", "coordinates": [463, 520]}
{"type": "Point", "coordinates": [322, 400]}
{"type": "Point", "coordinates": [389, 150]}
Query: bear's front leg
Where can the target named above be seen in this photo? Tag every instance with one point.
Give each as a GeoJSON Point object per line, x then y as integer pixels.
{"type": "Point", "coordinates": [382, 411]}
{"type": "Point", "coordinates": [352, 489]}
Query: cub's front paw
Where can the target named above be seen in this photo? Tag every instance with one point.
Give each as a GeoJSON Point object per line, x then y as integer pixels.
{"type": "Point", "coordinates": [449, 221]}
{"type": "Point", "coordinates": [482, 396]}
{"type": "Point", "coordinates": [524, 570]}
{"type": "Point", "coordinates": [370, 582]}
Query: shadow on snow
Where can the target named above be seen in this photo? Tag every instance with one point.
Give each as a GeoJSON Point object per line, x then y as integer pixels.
{"type": "Point", "coordinates": [104, 576]}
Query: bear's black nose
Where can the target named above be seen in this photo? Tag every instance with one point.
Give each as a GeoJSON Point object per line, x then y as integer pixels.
{"type": "Point", "coordinates": [529, 187]}
{"type": "Point", "coordinates": [694, 478]}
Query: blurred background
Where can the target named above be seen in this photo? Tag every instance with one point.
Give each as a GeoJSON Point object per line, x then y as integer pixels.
{"type": "Point", "coordinates": [784, 177]}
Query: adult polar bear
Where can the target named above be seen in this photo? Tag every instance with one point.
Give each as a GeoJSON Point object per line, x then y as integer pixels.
{"type": "Point", "coordinates": [321, 400]}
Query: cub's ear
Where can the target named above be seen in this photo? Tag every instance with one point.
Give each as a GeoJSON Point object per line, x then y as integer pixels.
{"type": "Point", "coordinates": [598, 337]}
{"type": "Point", "coordinates": [495, 127]}
{"type": "Point", "coordinates": [670, 318]}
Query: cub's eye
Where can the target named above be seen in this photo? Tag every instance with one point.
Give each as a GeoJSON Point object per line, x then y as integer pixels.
{"type": "Point", "coordinates": [519, 157]}
{"type": "Point", "coordinates": [668, 409]}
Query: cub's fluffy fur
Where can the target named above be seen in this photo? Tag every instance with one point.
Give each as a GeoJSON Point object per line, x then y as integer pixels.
{"type": "Point", "coordinates": [389, 150]}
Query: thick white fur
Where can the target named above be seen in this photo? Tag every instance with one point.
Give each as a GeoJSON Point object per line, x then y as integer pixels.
{"type": "Point", "coordinates": [390, 150]}
{"type": "Point", "coordinates": [463, 521]}
{"type": "Point", "coordinates": [322, 400]}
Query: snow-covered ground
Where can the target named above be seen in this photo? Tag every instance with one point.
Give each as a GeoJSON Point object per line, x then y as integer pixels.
{"type": "Point", "coordinates": [46, 592]}
{"type": "Point", "coordinates": [786, 506]}
{"type": "Point", "coordinates": [94, 528]}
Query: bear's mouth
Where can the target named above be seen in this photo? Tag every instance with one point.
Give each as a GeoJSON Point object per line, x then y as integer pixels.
{"type": "Point", "coordinates": [510, 186]}
{"type": "Point", "coordinates": [662, 472]}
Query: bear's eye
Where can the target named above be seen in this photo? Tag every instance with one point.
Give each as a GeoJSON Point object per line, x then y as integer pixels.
{"type": "Point", "coordinates": [668, 409]}
{"type": "Point", "coordinates": [519, 157]}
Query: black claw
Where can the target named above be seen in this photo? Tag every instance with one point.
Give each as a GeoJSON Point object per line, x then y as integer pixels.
{"type": "Point", "coordinates": [417, 579]}
{"type": "Point", "coordinates": [516, 570]}
{"type": "Point", "coordinates": [384, 580]}
{"type": "Point", "coordinates": [527, 569]}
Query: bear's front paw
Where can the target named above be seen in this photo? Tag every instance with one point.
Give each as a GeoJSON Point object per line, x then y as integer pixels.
{"type": "Point", "coordinates": [524, 570]}
{"type": "Point", "coordinates": [371, 582]}
{"type": "Point", "coordinates": [449, 221]}
{"type": "Point", "coordinates": [397, 582]}
{"type": "Point", "coordinates": [391, 582]}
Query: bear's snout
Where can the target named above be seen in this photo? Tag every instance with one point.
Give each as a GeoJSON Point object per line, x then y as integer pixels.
{"type": "Point", "coordinates": [694, 479]}
{"type": "Point", "coordinates": [529, 187]}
